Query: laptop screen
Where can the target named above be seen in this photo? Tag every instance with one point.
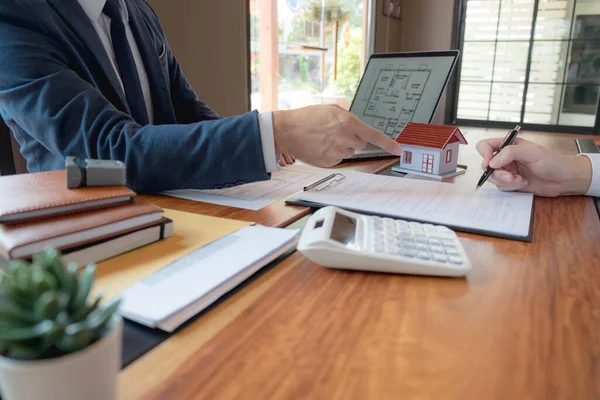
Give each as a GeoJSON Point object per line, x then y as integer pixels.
{"type": "Point", "coordinates": [399, 88]}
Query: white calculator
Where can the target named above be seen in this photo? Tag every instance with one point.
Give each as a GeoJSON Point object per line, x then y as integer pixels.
{"type": "Point", "coordinates": [338, 238]}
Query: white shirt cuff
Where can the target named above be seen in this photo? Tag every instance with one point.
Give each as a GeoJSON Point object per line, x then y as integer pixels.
{"type": "Point", "coordinates": [594, 189]}
{"type": "Point", "coordinates": [265, 124]}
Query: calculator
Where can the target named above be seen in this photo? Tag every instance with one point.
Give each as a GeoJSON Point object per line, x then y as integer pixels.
{"type": "Point", "coordinates": [338, 238]}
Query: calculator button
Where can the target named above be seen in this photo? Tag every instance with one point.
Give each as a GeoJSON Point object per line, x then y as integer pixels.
{"type": "Point", "coordinates": [435, 242]}
{"type": "Point", "coordinates": [455, 260]}
{"type": "Point", "coordinates": [421, 246]}
{"type": "Point", "coordinates": [437, 249]}
{"type": "Point", "coordinates": [393, 250]}
{"type": "Point", "coordinates": [423, 255]}
{"type": "Point", "coordinates": [407, 253]}
{"type": "Point", "coordinates": [378, 247]}
{"type": "Point", "coordinates": [448, 243]}
{"type": "Point", "coordinates": [420, 239]}
{"type": "Point", "coordinates": [389, 222]}
{"type": "Point", "coordinates": [406, 235]}
{"type": "Point", "coordinates": [452, 252]}
{"type": "Point", "coordinates": [408, 244]}
{"type": "Point", "coordinates": [439, 257]}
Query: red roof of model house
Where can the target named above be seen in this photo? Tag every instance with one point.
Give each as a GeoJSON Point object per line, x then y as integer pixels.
{"type": "Point", "coordinates": [427, 135]}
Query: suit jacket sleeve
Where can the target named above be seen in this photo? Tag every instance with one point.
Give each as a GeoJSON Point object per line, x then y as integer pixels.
{"type": "Point", "coordinates": [69, 116]}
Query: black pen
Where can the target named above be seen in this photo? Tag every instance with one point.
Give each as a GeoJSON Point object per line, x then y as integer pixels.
{"type": "Point", "coordinates": [508, 140]}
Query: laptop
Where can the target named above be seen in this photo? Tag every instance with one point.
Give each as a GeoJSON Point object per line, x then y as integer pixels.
{"type": "Point", "coordinates": [398, 88]}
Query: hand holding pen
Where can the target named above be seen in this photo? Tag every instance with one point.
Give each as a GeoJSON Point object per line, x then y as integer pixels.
{"type": "Point", "coordinates": [528, 167]}
{"type": "Point", "coordinates": [509, 139]}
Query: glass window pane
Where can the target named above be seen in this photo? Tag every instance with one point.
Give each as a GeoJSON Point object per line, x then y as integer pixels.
{"type": "Point", "coordinates": [564, 75]}
{"type": "Point", "coordinates": [473, 100]}
{"type": "Point", "coordinates": [553, 19]}
{"type": "Point", "coordinates": [583, 66]}
{"type": "Point", "coordinates": [301, 55]}
{"type": "Point", "coordinates": [477, 61]}
{"type": "Point", "coordinates": [511, 61]}
{"type": "Point", "coordinates": [586, 24]}
{"type": "Point", "coordinates": [542, 103]}
{"type": "Point", "coordinates": [506, 97]}
{"type": "Point", "coordinates": [579, 105]}
{"type": "Point", "coordinates": [548, 61]}
{"type": "Point", "coordinates": [515, 20]}
{"type": "Point", "coordinates": [580, 99]}
{"type": "Point", "coordinates": [505, 116]}
{"type": "Point", "coordinates": [481, 19]}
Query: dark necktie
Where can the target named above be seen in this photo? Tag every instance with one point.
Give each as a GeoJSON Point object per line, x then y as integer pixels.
{"type": "Point", "coordinates": [126, 63]}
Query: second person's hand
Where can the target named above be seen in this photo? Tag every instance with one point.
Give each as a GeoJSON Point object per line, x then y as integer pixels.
{"type": "Point", "coordinates": [325, 135]}
{"type": "Point", "coordinates": [528, 167]}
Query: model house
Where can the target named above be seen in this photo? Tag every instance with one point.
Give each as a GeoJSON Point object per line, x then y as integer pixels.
{"type": "Point", "coordinates": [430, 149]}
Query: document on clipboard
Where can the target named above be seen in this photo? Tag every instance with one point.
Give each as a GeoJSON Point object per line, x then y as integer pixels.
{"type": "Point", "coordinates": [254, 196]}
{"type": "Point", "coordinates": [486, 211]}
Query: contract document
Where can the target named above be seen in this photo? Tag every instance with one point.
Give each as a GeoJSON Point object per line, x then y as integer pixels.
{"type": "Point", "coordinates": [485, 211]}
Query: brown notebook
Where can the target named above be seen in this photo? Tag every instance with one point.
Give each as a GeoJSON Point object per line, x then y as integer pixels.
{"type": "Point", "coordinates": [24, 240]}
{"type": "Point", "coordinates": [45, 194]}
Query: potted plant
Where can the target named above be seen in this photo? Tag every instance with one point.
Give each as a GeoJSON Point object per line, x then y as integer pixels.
{"type": "Point", "coordinates": [54, 342]}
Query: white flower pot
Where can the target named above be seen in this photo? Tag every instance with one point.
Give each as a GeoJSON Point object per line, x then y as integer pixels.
{"type": "Point", "coordinates": [90, 374]}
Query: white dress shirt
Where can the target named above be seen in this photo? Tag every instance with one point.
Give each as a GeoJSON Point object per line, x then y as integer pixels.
{"type": "Point", "coordinates": [594, 189]}
{"type": "Point", "coordinates": [101, 23]}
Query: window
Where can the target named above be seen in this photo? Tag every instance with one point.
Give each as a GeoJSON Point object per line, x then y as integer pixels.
{"type": "Point", "coordinates": [533, 62]}
{"type": "Point", "coordinates": [449, 156]}
{"type": "Point", "coordinates": [407, 157]}
{"type": "Point", "coordinates": [305, 52]}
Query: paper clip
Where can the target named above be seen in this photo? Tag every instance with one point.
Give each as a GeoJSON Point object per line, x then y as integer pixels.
{"type": "Point", "coordinates": [326, 182]}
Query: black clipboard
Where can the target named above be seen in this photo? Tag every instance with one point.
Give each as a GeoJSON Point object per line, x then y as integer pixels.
{"type": "Point", "coordinates": [337, 178]}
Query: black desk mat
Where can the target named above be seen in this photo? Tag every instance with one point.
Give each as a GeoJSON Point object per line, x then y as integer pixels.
{"type": "Point", "coordinates": [139, 340]}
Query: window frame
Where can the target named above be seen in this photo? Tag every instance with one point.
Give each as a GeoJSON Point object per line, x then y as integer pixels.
{"type": "Point", "coordinates": [407, 157]}
{"type": "Point", "coordinates": [458, 35]}
{"type": "Point", "coordinates": [448, 156]}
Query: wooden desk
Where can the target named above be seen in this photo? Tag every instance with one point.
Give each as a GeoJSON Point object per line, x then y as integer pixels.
{"type": "Point", "coordinates": [524, 325]}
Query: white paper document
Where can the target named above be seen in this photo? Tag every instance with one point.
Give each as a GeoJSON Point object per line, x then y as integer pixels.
{"type": "Point", "coordinates": [176, 293]}
{"type": "Point", "coordinates": [254, 196]}
{"type": "Point", "coordinates": [486, 211]}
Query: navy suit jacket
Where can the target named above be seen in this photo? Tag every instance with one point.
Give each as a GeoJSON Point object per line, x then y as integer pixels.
{"type": "Point", "coordinates": [61, 97]}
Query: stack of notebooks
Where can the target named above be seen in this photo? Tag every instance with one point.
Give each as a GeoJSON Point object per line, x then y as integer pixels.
{"type": "Point", "coordinates": [87, 225]}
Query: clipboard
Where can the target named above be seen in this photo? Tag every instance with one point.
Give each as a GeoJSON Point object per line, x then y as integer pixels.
{"type": "Point", "coordinates": [326, 182]}
{"type": "Point", "coordinates": [336, 179]}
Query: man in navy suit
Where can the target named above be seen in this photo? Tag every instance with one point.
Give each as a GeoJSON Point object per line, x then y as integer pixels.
{"type": "Point", "coordinates": [97, 79]}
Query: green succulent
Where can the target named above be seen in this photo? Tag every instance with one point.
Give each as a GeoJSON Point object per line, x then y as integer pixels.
{"type": "Point", "coordinates": [44, 308]}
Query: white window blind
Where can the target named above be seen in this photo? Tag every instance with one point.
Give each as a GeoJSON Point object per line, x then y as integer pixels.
{"type": "Point", "coordinates": [507, 58]}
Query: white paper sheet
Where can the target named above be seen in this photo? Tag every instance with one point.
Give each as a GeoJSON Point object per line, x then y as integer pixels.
{"type": "Point", "coordinates": [169, 297]}
{"type": "Point", "coordinates": [484, 210]}
{"type": "Point", "coordinates": [254, 196]}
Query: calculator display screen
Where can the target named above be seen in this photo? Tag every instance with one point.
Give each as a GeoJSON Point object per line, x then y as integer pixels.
{"type": "Point", "coordinates": [344, 229]}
